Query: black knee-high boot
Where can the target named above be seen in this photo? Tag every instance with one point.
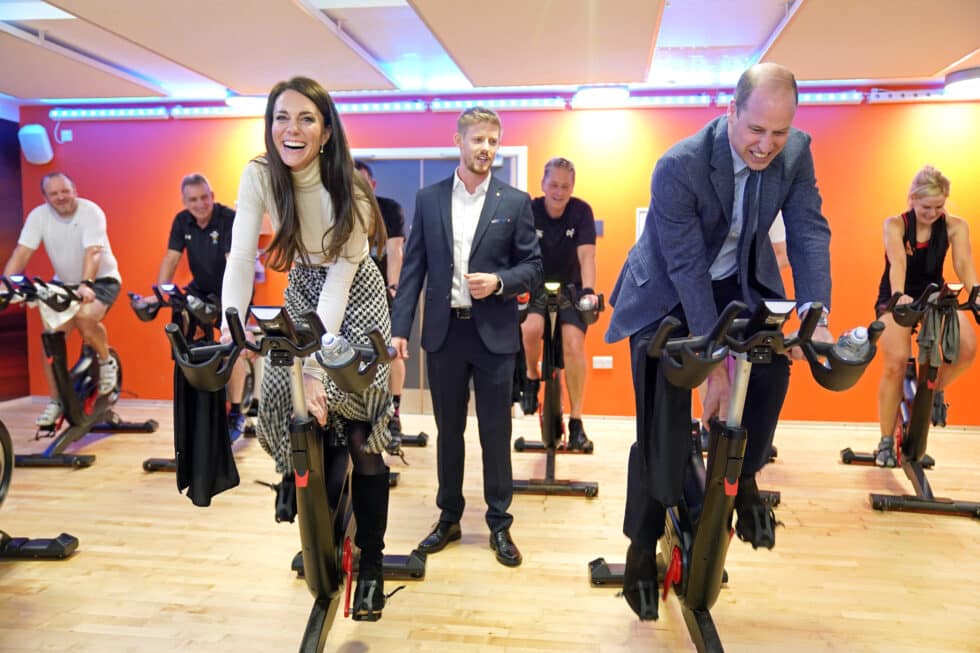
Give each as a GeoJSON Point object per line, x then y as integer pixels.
{"type": "Point", "coordinates": [370, 498]}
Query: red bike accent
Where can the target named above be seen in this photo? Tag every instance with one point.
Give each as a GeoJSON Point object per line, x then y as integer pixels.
{"type": "Point", "coordinates": [731, 489]}
{"type": "Point", "coordinates": [302, 479]}
{"type": "Point", "coordinates": [674, 571]}
{"type": "Point", "coordinates": [347, 563]}
{"type": "Point", "coordinates": [90, 403]}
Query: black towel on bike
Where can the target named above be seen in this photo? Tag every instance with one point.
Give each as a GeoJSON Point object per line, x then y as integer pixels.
{"type": "Point", "coordinates": [205, 464]}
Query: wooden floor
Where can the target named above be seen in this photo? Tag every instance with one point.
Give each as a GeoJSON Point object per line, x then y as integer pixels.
{"type": "Point", "coordinates": [154, 573]}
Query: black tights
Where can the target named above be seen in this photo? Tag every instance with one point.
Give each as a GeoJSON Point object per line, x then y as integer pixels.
{"type": "Point", "coordinates": [365, 464]}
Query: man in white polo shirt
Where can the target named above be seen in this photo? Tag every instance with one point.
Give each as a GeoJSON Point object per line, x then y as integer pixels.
{"type": "Point", "coordinates": [73, 231]}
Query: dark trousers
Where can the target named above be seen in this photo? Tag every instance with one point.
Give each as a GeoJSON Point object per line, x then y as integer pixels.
{"type": "Point", "coordinates": [658, 460]}
{"type": "Point", "coordinates": [463, 358]}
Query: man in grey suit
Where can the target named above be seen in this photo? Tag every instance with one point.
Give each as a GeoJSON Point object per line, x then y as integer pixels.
{"type": "Point", "coordinates": [702, 246]}
{"type": "Point", "coordinates": [473, 246]}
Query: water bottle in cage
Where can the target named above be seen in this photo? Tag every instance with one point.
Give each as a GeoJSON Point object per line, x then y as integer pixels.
{"type": "Point", "coordinates": [335, 351]}
{"type": "Point", "coordinates": [853, 346]}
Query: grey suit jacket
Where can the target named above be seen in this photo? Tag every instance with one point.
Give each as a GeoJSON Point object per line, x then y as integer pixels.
{"type": "Point", "coordinates": [504, 244]}
{"type": "Point", "coordinates": [691, 198]}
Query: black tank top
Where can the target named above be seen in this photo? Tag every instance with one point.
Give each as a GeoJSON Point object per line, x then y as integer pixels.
{"type": "Point", "coordinates": [923, 261]}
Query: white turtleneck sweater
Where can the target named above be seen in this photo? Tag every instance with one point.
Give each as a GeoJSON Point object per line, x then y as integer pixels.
{"type": "Point", "coordinates": [316, 215]}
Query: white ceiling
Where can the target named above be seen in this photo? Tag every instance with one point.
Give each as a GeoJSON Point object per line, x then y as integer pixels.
{"type": "Point", "coordinates": [209, 49]}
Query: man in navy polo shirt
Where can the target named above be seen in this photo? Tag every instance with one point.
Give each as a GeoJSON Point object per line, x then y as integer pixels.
{"type": "Point", "coordinates": [203, 228]}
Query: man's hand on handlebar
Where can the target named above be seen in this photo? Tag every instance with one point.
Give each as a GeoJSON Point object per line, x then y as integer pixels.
{"type": "Point", "coordinates": [316, 398]}
{"type": "Point", "coordinates": [85, 292]}
{"type": "Point", "coordinates": [820, 334]}
{"type": "Point", "coordinates": [718, 389]}
{"type": "Point", "coordinates": [400, 346]}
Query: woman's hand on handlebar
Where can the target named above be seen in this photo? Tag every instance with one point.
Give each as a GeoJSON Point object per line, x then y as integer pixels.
{"type": "Point", "coordinates": [718, 389]}
{"type": "Point", "coordinates": [904, 299]}
{"type": "Point", "coordinates": [400, 346]}
{"type": "Point", "coordinates": [316, 398]}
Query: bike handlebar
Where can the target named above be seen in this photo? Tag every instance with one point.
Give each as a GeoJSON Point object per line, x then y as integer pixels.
{"type": "Point", "coordinates": [56, 295]}
{"type": "Point", "coordinates": [688, 361]}
{"type": "Point", "coordinates": [835, 373]}
{"type": "Point", "coordinates": [171, 296]}
{"type": "Point", "coordinates": [908, 315]}
{"type": "Point", "coordinates": [208, 367]}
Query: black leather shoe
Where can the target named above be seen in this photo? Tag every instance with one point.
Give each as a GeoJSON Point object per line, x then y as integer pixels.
{"type": "Point", "coordinates": [577, 440]}
{"type": "Point", "coordinates": [507, 552]}
{"type": "Point", "coordinates": [443, 533]}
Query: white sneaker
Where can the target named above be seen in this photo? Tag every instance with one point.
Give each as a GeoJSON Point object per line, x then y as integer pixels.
{"type": "Point", "coordinates": [108, 375]}
{"type": "Point", "coordinates": [50, 416]}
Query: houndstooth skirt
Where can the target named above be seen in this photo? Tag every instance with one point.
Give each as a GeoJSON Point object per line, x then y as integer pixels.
{"type": "Point", "coordinates": [367, 307]}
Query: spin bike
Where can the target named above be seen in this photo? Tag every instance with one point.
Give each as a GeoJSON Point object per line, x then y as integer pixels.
{"type": "Point", "coordinates": [322, 471]}
{"type": "Point", "coordinates": [21, 547]}
{"type": "Point", "coordinates": [552, 424]}
{"type": "Point", "coordinates": [196, 320]}
{"type": "Point", "coordinates": [552, 363]}
{"type": "Point", "coordinates": [84, 408]}
{"type": "Point", "coordinates": [698, 530]}
{"type": "Point", "coordinates": [915, 411]}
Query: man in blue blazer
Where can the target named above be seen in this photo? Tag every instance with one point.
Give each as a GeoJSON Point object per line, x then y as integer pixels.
{"type": "Point", "coordinates": [700, 249]}
{"type": "Point", "coordinates": [474, 248]}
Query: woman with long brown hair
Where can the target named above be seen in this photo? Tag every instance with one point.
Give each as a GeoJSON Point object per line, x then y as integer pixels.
{"type": "Point", "coordinates": [321, 211]}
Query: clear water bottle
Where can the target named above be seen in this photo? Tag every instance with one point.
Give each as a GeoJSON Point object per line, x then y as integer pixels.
{"type": "Point", "coordinates": [853, 345]}
{"type": "Point", "coordinates": [335, 351]}
{"type": "Point", "coordinates": [586, 303]}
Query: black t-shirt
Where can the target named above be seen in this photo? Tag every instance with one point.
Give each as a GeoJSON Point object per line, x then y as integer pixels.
{"type": "Point", "coordinates": [394, 219]}
{"type": "Point", "coordinates": [560, 238]}
{"type": "Point", "coordinates": [206, 248]}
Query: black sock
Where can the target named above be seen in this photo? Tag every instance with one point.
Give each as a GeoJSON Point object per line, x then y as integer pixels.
{"type": "Point", "coordinates": [235, 409]}
{"type": "Point", "coordinates": [574, 420]}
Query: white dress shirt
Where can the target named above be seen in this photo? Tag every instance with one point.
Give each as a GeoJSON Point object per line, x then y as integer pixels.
{"type": "Point", "coordinates": [466, 213]}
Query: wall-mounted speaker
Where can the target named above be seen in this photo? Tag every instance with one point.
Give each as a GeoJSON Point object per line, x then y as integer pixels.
{"type": "Point", "coordinates": [35, 144]}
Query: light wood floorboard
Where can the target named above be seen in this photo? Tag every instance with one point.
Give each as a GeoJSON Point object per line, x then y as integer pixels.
{"type": "Point", "coordinates": [154, 573]}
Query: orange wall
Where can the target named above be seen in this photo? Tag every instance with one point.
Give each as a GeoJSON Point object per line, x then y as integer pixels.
{"type": "Point", "coordinates": [865, 157]}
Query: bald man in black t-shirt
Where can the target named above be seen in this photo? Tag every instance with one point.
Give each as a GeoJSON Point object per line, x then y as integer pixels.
{"type": "Point", "coordinates": [566, 234]}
